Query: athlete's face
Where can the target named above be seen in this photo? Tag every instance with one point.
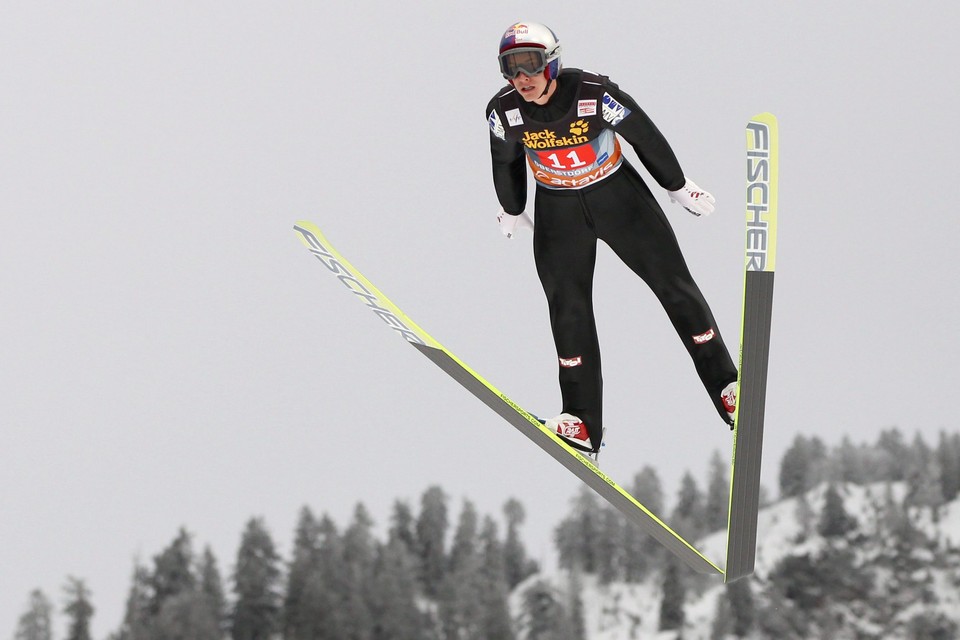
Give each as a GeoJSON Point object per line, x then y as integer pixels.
{"type": "Point", "coordinates": [531, 87]}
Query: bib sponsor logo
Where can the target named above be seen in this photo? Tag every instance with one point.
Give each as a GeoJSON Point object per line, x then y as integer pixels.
{"type": "Point", "coordinates": [613, 111]}
{"type": "Point", "coordinates": [496, 126]}
{"type": "Point", "coordinates": [586, 108]}
{"type": "Point", "coordinates": [547, 139]}
{"type": "Point", "coordinates": [704, 338]}
{"type": "Point", "coordinates": [514, 118]}
{"type": "Point", "coordinates": [569, 363]}
{"type": "Point", "coordinates": [579, 127]}
{"type": "Point", "coordinates": [576, 183]}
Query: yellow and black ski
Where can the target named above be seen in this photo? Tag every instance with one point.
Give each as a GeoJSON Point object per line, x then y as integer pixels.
{"type": "Point", "coordinates": [759, 267]}
{"type": "Point", "coordinates": [580, 465]}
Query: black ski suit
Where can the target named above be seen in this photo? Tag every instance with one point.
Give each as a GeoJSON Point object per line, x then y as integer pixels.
{"type": "Point", "coordinates": [587, 191]}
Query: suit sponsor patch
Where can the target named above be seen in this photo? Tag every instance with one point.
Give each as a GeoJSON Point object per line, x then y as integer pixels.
{"type": "Point", "coordinates": [496, 126]}
{"type": "Point", "coordinates": [704, 337]}
{"type": "Point", "coordinates": [613, 111]}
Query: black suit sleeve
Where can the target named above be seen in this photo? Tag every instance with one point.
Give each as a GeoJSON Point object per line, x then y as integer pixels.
{"type": "Point", "coordinates": [509, 171]}
{"type": "Point", "coordinates": [652, 148]}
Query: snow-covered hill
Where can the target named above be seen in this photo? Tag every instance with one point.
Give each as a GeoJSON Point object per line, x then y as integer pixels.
{"type": "Point", "coordinates": [912, 590]}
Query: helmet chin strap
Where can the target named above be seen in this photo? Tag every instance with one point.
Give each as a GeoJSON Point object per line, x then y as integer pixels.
{"type": "Point", "coordinates": [546, 88]}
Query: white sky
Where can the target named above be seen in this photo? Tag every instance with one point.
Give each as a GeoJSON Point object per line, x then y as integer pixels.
{"type": "Point", "coordinates": [171, 355]}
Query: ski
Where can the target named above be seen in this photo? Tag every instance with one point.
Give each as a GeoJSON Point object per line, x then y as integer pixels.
{"type": "Point", "coordinates": [760, 264]}
{"type": "Point", "coordinates": [577, 463]}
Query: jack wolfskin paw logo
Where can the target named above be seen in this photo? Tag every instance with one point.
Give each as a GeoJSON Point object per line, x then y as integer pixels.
{"type": "Point", "coordinates": [579, 127]}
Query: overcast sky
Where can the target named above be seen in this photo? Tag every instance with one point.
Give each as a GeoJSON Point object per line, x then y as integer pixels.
{"type": "Point", "coordinates": [172, 356]}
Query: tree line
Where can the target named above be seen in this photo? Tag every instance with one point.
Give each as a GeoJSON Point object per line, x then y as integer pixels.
{"type": "Point", "coordinates": [431, 579]}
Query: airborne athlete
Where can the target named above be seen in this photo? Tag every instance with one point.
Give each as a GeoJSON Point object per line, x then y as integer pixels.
{"type": "Point", "coordinates": [564, 124]}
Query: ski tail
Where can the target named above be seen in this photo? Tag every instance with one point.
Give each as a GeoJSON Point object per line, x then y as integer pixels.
{"type": "Point", "coordinates": [759, 267]}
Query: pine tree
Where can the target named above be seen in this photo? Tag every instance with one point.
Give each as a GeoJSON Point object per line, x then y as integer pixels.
{"type": "Point", "coordinates": [948, 459]}
{"type": "Point", "coordinates": [742, 608]}
{"type": "Point", "coordinates": [641, 552]}
{"type": "Point", "coordinates": [460, 605]}
{"type": "Point", "coordinates": [820, 584]}
{"type": "Point", "coordinates": [324, 615]}
{"type": "Point", "coordinates": [797, 578]}
{"type": "Point", "coordinates": [722, 626]}
{"type": "Point", "coordinates": [394, 594]}
{"type": "Point", "coordinates": [718, 494]}
{"type": "Point", "coordinates": [78, 608]}
{"type": "Point", "coordinates": [923, 477]}
{"type": "Point", "coordinates": [834, 520]}
{"type": "Point", "coordinates": [544, 617]}
{"type": "Point", "coordinates": [672, 616]}
{"type": "Point", "coordinates": [211, 590]}
{"type": "Point", "coordinates": [932, 625]}
{"type": "Point", "coordinates": [803, 466]}
{"type": "Point", "coordinates": [303, 565]}
{"type": "Point", "coordinates": [902, 540]}
{"type": "Point", "coordinates": [575, 608]}
{"type": "Point", "coordinates": [494, 589]}
{"type": "Point", "coordinates": [359, 555]}
{"type": "Point", "coordinates": [137, 618]}
{"type": "Point", "coordinates": [256, 578]}
{"type": "Point", "coordinates": [37, 622]}
{"type": "Point", "coordinates": [648, 489]}
{"type": "Point", "coordinates": [610, 552]}
{"type": "Point", "coordinates": [895, 452]}
{"type": "Point", "coordinates": [173, 572]}
{"type": "Point", "coordinates": [431, 535]}
{"type": "Point", "coordinates": [577, 534]}
{"type": "Point", "coordinates": [464, 547]}
{"type": "Point", "coordinates": [186, 616]}
{"type": "Point", "coordinates": [518, 566]}
{"type": "Point", "coordinates": [852, 463]}
{"type": "Point", "coordinates": [689, 514]}
{"type": "Point", "coordinates": [402, 526]}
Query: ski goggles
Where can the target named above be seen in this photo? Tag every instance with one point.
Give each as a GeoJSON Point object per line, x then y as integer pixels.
{"type": "Point", "coordinates": [526, 60]}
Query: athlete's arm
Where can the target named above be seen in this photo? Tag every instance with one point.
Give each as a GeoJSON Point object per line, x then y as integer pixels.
{"type": "Point", "coordinates": [652, 148]}
{"type": "Point", "coordinates": [509, 168]}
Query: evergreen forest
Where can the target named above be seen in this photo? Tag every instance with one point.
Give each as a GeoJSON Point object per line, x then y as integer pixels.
{"type": "Point", "coordinates": [886, 568]}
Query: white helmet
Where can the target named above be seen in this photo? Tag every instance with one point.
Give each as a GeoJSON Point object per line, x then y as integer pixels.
{"type": "Point", "coordinates": [529, 47]}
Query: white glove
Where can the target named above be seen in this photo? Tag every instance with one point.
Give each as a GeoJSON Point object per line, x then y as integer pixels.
{"type": "Point", "coordinates": [510, 224]}
{"type": "Point", "coordinates": [694, 199]}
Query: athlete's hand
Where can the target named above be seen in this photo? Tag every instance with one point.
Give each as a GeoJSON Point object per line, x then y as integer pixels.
{"type": "Point", "coordinates": [694, 199]}
{"type": "Point", "coordinates": [510, 224]}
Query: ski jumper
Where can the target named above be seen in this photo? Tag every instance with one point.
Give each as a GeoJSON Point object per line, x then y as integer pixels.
{"type": "Point", "coordinates": [587, 191]}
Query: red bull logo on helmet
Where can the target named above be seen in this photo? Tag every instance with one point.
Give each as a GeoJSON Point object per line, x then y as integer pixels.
{"type": "Point", "coordinates": [516, 34]}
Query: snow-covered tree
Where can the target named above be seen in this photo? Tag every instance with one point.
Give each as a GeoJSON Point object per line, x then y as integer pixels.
{"type": "Point", "coordinates": [78, 609]}
{"type": "Point", "coordinates": [256, 578]}
{"type": "Point", "coordinates": [36, 623]}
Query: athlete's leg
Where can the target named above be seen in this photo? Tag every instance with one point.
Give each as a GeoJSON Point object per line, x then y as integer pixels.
{"type": "Point", "coordinates": [565, 251]}
{"type": "Point", "coordinates": [630, 220]}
